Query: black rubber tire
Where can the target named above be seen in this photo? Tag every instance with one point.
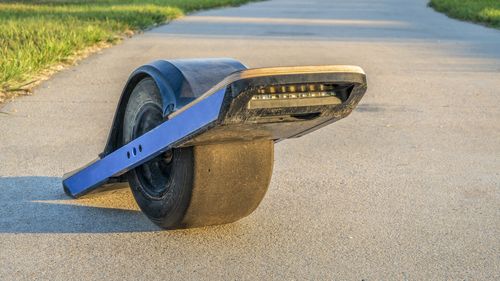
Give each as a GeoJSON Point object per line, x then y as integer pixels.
{"type": "Point", "coordinates": [162, 189]}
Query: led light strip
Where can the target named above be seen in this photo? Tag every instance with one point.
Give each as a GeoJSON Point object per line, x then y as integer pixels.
{"type": "Point", "coordinates": [293, 95]}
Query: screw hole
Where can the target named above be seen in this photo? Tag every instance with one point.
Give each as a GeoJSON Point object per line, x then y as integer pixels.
{"type": "Point", "coordinates": [134, 151]}
{"type": "Point", "coordinates": [128, 154]}
{"type": "Point", "coordinates": [140, 148]}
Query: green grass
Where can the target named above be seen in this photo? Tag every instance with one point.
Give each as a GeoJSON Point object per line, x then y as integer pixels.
{"type": "Point", "coordinates": [486, 12]}
{"type": "Point", "coordinates": [38, 35]}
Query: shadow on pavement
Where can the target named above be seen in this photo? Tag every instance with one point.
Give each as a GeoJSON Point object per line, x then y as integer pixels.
{"type": "Point", "coordinates": [39, 205]}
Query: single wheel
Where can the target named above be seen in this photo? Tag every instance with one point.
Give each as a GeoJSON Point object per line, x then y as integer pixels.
{"type": "Point", "coordinates": [194, 186]}
{"type": "Point", "coordinates": [162, 187]}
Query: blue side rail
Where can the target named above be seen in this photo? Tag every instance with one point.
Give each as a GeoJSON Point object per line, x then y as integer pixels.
{"type": "Point", "coordinates": [146, 147]}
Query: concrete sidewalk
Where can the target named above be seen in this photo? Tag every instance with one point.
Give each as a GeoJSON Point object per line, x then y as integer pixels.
{"type": "Point", "coordinates": [412, 193]}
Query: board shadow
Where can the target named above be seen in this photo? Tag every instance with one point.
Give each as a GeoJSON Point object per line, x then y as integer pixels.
{"type": "Point", "coordinates": [39, 205]}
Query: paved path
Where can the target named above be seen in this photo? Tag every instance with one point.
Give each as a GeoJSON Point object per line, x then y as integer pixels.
{"type": "Point", "coordinates": [406, 188]}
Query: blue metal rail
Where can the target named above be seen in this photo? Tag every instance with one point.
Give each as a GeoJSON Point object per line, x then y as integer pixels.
{"type": "Point", "coordinates": [147, 146]}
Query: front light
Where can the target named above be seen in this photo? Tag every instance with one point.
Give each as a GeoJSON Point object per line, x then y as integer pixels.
{"type": "Point", "coordinates": [294, 95]}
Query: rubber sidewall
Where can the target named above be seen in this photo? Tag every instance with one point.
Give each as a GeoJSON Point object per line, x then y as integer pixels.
{"type": "Point", "coordinates": [168, 209]}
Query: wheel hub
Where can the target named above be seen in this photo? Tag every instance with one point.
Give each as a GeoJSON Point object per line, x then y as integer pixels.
{"type": "Point", "coordinates": [153, 175]}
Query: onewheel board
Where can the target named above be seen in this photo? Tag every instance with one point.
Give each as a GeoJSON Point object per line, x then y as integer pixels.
{"type": "Point", "coordinates": [195, 138]}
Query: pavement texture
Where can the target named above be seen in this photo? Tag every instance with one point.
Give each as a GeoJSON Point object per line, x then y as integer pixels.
{"type": "Point", "coordinates": [405, 188]}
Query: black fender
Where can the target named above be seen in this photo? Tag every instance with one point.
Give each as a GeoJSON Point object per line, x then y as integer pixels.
{"type": "Point", "coordinates": [179, 81]}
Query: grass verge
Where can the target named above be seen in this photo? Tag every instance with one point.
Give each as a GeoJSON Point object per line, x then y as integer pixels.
{"type": "Point", "coordinates": [486, 12]}
{"type": "Point", "coordinates": [38, 36]}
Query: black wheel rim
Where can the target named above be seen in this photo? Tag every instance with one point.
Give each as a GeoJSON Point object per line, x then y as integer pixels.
{"type": "Point", "coordinates": [154, 176]}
